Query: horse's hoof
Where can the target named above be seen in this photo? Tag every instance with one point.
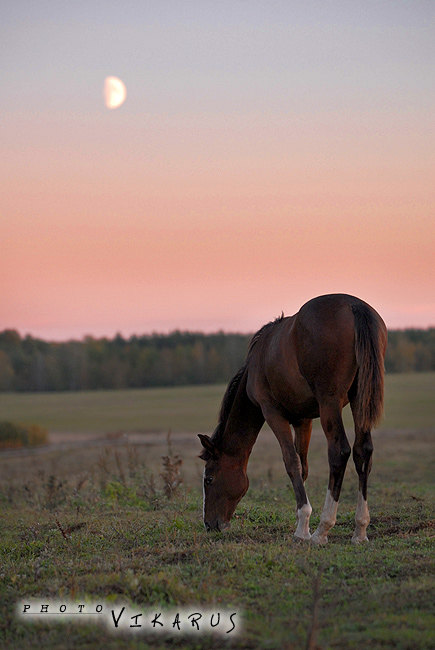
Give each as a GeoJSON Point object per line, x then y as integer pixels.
{"type": "Point", "coordinates": [319, 540]}
{"type": "Point", "coordinates": [359, 540]}
{"type": "Point", "coordinates": [301, 540]}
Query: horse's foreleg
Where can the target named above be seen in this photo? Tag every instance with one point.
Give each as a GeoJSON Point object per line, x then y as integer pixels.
{"type": "Point", "coordinates": [302, 441]}
{"type": "Point", "coordinates": [338, 455]}
{"type": "Point", "coordinates": [292, 462]}
{"type": "Point", "coordinates": [362, 456]}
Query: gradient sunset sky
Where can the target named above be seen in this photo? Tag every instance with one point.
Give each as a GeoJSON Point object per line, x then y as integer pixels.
{"type": "Point", "coordinates": [267, 152]}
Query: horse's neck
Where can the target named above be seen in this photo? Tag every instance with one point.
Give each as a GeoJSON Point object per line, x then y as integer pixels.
{"type": "Point", "coordinates": [243, 425]}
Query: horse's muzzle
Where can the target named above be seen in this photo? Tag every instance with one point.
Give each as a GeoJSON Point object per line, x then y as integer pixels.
{"type": "Point", "coordinates": [217, 526]}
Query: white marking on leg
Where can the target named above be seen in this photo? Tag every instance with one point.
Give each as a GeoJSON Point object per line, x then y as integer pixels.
{"type": "Point", "coordinates": [303, 527]}
{"type": "Point", "coordinates": [327, 520]}
{"type": "Point", "coordinates": [362, 520]}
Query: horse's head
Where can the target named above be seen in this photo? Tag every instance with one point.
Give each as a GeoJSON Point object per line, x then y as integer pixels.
{"type": "Point", "coordinates": [225, 483]}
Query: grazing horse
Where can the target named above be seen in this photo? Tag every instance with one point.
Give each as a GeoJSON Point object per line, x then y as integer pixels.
{"type": "Point", "coordinates": [305, 366]}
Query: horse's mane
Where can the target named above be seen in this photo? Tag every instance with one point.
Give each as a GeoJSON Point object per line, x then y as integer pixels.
{"type": "Point", "coordinates": [233, 386]}
{"type": "Point", "coordinates": [227, 403]}
{"type": "Point", "coordinates": [262, 331]}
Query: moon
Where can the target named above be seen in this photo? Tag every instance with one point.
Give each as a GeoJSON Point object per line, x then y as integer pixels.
{"type": "Point", "coordinates": [115, 92]}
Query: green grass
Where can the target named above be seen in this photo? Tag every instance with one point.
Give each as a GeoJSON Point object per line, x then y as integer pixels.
{"type": "Point", "coordinates": [192, 408]}
{"type": "Point", "coordinates": [409, 404]}
{"type": "Point", "coordinates": [129, 543]}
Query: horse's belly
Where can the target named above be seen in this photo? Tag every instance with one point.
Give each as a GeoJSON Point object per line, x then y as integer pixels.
{"type": "Point", "coordinates": [296, 405]}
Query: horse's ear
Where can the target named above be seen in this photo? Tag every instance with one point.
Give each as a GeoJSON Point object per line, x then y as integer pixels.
{"type": "Point", "coordinates": [210, 450]}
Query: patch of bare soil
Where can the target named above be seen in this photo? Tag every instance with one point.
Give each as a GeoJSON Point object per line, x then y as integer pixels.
{"type": "Point", "coordinates": [62, 441]}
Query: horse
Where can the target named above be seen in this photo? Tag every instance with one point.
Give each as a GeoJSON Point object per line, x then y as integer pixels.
{"type": "Point", "coordinates": [298, 368]}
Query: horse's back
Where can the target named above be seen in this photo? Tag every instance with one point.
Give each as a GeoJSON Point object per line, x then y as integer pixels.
{"type": "Point", "coordinates": [324, 328]}
{"type": "Point", "coordinates": [333, 306]}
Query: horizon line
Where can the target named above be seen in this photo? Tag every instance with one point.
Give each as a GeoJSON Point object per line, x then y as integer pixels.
{"type": "Point", "coordinates": [167, 333]}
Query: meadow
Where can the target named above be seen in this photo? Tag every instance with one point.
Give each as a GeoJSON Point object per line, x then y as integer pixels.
{"type": "Point", "coordinates": [89, 518]}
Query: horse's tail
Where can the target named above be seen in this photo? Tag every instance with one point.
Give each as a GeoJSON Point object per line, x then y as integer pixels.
{"type": "Point", "coordinates": [370, 344]}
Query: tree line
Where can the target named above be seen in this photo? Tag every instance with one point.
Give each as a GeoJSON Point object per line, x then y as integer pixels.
{"type": "Point", "coordinates": [176, 359]}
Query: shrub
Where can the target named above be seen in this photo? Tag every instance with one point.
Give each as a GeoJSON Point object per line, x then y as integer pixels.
{"type": "Point", "coordinates": [14, 435]}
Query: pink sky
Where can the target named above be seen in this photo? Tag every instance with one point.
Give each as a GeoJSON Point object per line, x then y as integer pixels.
{"type": "Point", "coordinates": [215, 215]}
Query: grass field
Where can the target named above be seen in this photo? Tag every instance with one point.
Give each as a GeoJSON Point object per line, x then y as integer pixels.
{"type": "Point", "coordinates": [409, 405]}
{"type": "Point", "coordinates": [92, 522]}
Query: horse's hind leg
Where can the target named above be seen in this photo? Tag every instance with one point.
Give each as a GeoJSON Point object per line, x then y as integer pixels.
{"type": "Point", "coordinates": [362, 456]}
{"type": "Point", "coordinates": [338, 455]}
{"type": "Point", "coordinates": [292, 462]}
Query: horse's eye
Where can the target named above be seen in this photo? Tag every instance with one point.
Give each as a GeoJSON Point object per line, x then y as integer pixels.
{"type": "Point", "coordinates": [208, 480]}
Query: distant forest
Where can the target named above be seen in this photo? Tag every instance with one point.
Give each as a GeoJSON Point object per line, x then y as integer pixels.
{"type": "Point", "coordinates": [180, 358]}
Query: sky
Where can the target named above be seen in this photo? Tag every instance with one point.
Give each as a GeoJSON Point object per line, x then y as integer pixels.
{"type": "Point", "coordinates": [266, 153]}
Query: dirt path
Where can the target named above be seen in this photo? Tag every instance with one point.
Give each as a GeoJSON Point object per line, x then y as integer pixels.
{"type": "Point", "coordinates": [62, 441]}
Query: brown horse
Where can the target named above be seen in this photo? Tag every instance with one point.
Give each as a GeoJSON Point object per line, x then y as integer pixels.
{"type": "Point", "coordinates": [298, 368]}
